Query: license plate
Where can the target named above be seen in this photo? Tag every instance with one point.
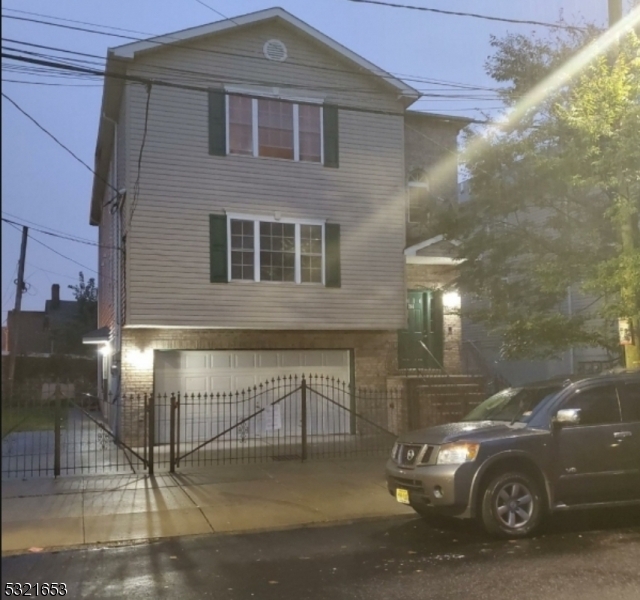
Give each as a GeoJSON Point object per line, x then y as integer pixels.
{"type": "Point", "coordinates": [402, 496]}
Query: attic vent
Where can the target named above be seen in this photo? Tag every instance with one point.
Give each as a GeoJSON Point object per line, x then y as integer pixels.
{"type": "Point", "coordinates": [275, 50]}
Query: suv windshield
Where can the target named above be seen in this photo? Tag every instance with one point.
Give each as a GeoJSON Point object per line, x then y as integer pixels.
{"type": "Point", "coordinates": [512, 404]}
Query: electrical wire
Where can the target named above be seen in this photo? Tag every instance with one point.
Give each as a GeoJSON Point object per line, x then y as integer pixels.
{"type": "Point", "coordinates": [380, 74]}
{"type": "Point", "coordinates": [136, 186]}
{"type": "Point", "coordinates": [64, 256]}
{"type": "Point", "coordinates": [473, 15]}
{"type": "Point", "coordinates": [462, 91]}
{"type": "Point", "coordinates": [60, 236]}
{"type": "Point", "coordinates": [216, 11]}
{"type": "Point", "coordinates": [55, 139]}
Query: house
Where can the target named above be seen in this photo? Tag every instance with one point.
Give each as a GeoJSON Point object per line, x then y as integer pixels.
{"type": "Point", "coordinates": [42, 333]}
{"type": "Point", "coordinates": [256, 189]}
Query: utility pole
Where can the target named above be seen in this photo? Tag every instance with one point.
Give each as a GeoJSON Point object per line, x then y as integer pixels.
{"type": "Point", "coordinates": [13, 339]}
{"type": "Point", "coordinates": [628, 234]}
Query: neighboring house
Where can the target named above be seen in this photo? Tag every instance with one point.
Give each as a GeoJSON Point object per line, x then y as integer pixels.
{"type": "Point", "coordinates": [256, 189]}
{"type": "Point", "coordinates": [481, 348]}
{"type": "Point", "coordinates": [40, 333]}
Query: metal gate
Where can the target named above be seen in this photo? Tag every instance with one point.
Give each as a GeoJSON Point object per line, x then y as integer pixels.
{"type": "Point", "coordinates": [286, 418]}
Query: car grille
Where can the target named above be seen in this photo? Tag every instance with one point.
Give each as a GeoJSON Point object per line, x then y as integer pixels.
{"type": "Point", "coordinates": [408, 484]}
{"type": "Point", "coordinates": [408, 454]}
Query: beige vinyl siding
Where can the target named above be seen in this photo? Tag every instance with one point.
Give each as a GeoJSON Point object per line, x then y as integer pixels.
{"type": "Point", "coordinates": [236, 58]}
{"type": "Point", "coordinates": [181, 184]}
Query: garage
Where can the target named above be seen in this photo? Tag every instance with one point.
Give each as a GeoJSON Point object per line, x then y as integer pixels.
{"type": "Point", "coordinates": [222, 383]}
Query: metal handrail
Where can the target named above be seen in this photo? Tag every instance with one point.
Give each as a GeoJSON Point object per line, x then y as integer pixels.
{"type": "Point", "coordinates": [486, 369]}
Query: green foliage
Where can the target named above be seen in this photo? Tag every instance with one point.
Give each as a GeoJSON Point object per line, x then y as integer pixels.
{"type": "Point", "coordinates": [550, 195]}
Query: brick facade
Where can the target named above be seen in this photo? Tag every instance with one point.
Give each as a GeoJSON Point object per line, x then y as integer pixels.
{"type": "Point", "coordinates": [375, 352]}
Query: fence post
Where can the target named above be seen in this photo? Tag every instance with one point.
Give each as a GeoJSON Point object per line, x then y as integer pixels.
{"type": "Point", "coordinates": [56, 431]}
{"type": "Point", "coordinates": [303, 413]}
{"type": "Point", "coordinates": [152, 429]}
{"type": "Point", "coordinates": [172, 435]}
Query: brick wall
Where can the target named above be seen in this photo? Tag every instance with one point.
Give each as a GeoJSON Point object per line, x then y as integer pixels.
{"type": "Point", "coordinates": [375, 352]}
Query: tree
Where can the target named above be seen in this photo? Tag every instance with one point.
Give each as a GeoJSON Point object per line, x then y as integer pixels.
{"type": "Point", "coordinates": [69, 337]}
{"type": "Point", "coordinates": [551, 192]}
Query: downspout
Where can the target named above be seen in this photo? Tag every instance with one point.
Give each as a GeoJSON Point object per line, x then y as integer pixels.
{"type": "Point", "coordinates": [117, 297]}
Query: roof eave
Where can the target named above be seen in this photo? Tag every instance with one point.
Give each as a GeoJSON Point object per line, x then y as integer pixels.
{"type": "Point", "coordinates": [115, 70]}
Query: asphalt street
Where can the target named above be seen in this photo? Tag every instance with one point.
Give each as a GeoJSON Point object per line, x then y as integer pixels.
{"type": "Point", "coordinates": [590, 556]}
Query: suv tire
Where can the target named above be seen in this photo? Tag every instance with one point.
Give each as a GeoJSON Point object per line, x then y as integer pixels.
{"type": "Point", "coordinates": [512, 505]}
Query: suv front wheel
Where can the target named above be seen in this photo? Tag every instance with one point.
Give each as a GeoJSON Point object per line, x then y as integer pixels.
{"type": "Point", "coordinates": [512, 505]}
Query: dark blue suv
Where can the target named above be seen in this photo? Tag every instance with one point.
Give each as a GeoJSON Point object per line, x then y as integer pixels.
{"type": "Point", "coordinates": [525, 452]}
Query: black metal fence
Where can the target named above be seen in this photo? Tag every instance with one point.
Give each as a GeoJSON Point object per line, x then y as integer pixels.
{"type": "Point", "coordinates": [285, 418]}
{"type": "Point", "coordinates": [65, 436]}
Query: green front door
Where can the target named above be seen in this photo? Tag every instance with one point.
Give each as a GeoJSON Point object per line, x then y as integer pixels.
{"type": "Point", "coordinates": [424, 326]}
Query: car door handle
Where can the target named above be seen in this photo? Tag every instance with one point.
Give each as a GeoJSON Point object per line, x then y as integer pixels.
{"type": "Point", "coordinates": [619, 435]}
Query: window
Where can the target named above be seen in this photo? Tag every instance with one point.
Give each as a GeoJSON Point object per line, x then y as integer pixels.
{"type": "Point", "coordinates": [240, 125]}
{"type": "Point", "coordinates": [629, 394]}
{"type": "Point", "coordinates": [598, 406]}
{"type": "Point", "coordinates": [419, 200]}
{"type": "Point", "coordinates": [242, 249]}
{"type": "Point", "coordinates": [311, 253]}
{"type": "Point", "coordinates": [276, 250]}
{"type": "Point", "coordinates": [274, 128]}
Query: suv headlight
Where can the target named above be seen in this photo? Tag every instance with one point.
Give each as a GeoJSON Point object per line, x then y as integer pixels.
{"type": "Point", "coordinates": [457, 453]}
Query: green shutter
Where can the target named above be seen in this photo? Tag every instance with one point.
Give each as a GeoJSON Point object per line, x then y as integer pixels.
{"type": "Point", "coordinates": [217, 123]}
{"type": "Point", "coordinates": [330, 132]}
{"type": "Point", "coordinates": [218, 248]}
{"type": "Point", "coordinates": [332, 255]}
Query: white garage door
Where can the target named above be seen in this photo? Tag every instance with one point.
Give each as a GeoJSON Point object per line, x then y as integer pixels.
{"type": "Point", "coordinates": [201, 372]}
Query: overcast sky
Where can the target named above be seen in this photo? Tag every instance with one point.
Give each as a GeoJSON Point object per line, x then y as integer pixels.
{"type": "Point", "coordinates": [42, 184]}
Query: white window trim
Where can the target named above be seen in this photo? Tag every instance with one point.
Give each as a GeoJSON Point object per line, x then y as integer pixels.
{"type": "Point", "coordinates": [257, 219]}
{"type": "Point", "coordinates": [255, 131]}
{"type": "Point", "coordinates": [274, 93]}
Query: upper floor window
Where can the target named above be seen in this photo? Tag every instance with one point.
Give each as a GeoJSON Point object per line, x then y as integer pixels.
{"type": "Point", "coordinates": [274, 128]}
{"type": "Point", "coordinates": [266, 250]}
{"type": "Point", "coordinates": [418, 198]}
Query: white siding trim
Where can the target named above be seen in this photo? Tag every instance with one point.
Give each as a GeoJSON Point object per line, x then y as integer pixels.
{"type": "Point", "coordinates": [273, 219]}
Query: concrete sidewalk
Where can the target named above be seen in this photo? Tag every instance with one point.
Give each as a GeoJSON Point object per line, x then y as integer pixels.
{"type": "Point", "coordinates": [71, 511]}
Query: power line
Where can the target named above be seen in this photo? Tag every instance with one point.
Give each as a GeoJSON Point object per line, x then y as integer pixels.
{"type": "Point", "coordinates": [380, 73]}
{"type": "Point", "coordinates": [473, 15]}
{"type": "Point", "coordinates": [216, 11]}
{"type": "Point", "coordinates": [405, 76]}
{"type": "Point", "coordinates": [80, 85]}
{"type": "Point", "coordinates": [63, 237]}
{"type": "Point", "coordinates": [145, 81]}
{"type": "Point", "coordinates": [63, 255]}
{"type": "Point", "coordinates": [136, 185]}
{"type": "Point", "coordinates": [462, 91]}
{"type": "Point", "coordinates": [55, 139]}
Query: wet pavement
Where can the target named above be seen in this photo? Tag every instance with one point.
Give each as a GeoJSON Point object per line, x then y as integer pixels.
{"type": "Point", "coordinates": [586, 555]}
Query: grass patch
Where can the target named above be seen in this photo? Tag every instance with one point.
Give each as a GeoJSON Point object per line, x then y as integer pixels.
{"type": "Point", "coordinates": [27, 419]}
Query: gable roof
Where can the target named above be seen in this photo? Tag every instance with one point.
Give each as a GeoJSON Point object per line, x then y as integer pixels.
{"type": "Point", "coordinates": [129, 51]}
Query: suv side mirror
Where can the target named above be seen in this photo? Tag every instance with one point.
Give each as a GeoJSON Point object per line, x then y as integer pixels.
{"type": "Point", "coordinates": [567, 416]}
